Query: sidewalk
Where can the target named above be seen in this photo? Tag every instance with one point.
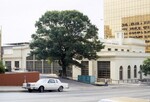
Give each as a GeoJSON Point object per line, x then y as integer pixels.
{"type": "Point", "coordinates": [11, 89]}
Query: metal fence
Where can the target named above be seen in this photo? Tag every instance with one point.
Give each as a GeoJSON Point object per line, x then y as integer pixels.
{"type": "Point", "coordinates": [132, 81]}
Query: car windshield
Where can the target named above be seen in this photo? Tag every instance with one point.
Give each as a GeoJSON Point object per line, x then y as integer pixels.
{"type": "Point", "coordinates": [42, 81]}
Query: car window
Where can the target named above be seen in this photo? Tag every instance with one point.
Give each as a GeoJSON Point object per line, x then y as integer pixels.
{"type": "Point", "coordinates": [56, 81]}
{"type": "Point", "coordinates": [42, 81]}
{"type": "Point", "coordinates": [51, 81]}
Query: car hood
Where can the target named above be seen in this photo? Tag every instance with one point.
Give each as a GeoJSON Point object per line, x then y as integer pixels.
{"type": "Point", "coordinates": [32, 83]}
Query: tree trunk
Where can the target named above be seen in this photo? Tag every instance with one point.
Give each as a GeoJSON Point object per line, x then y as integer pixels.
{"type": "Point", "coordinates": [64, 74]}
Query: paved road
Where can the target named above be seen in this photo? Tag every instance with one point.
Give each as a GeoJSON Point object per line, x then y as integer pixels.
{"type": "Point", "coordinates": [78, 92]}
{"type": "Point", "coordinates": [82, 95]}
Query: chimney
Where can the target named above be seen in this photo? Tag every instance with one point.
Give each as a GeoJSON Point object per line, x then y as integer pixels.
{"type": "Point", "coordinates": [119, 36]}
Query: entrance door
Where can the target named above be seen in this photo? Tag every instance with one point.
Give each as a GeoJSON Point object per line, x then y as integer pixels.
{"type": "Point", "coordinates": [103, 69]}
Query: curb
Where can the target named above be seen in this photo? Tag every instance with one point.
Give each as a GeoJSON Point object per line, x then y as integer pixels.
{"type": "Point", "coordinates": [11, 89]}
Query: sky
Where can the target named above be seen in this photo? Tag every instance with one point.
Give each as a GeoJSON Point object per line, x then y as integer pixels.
{"type": "Point", "coordinates": [18, 17]}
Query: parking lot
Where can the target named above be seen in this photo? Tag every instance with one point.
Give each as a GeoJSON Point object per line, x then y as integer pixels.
{"type": "Point", "coordinates": [78, 92]}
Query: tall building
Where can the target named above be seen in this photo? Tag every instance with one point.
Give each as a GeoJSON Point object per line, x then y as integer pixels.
{"type": "Point", "coordinates": [132, 17]}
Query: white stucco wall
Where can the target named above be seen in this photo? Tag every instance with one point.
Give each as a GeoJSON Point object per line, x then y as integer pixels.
{"type": "Point", "coordinates": [91, 67]}
{"type": "Point", "coordinates": [76, 71]}
{"type": "Point", "coordinates": [130, 52]}
{"type": "Point", "coordinates": [18, 53]}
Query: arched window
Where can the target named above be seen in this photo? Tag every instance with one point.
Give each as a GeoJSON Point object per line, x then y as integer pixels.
{"type": "Point", "coordinates": [129, 72]}
{"type": "Point", "coordinates": [135, 71]}
{"type": "Point", "coordinates": [121, 73]}
{"type": "Point", "coordinates": [140, 72]}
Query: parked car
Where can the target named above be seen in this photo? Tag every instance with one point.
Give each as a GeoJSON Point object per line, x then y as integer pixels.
{"type": "Point", "coordinates": [123, 99]}
{"type": "Point", "coordinates": [46, 84]}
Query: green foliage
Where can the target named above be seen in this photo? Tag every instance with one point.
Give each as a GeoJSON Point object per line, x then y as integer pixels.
{"type": "Point", "coordinates": [145, 68]}
{"type": "Point", "coordinates": [2, 67]}
{"type": "Point", "coordinates": [66, 36]}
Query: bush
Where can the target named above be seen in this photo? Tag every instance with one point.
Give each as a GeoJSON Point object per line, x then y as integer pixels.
{"type": "Point", "coordinates": [2, 67]}
{"type": "Point", "coordinates": [6, 70]}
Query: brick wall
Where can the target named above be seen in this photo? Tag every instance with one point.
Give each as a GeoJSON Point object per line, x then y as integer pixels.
{"type": "Point", "coordinates": [17, 79]}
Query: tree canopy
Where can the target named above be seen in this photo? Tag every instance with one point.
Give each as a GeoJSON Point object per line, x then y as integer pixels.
{"type": "Point", "coordinates": [65, 36]}
{"type": "Point", "coordinates": [145, 68]}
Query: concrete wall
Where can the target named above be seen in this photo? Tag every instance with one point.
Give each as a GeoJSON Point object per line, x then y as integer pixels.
{"type": "Point", "coordinates": [16, 54]}
{"type": "Point", "coordinates": [115, 64]}
{"type": "Point", "coordinates": [76, 71]}
{"type": "Point", "coordinates": [125, 62]}
{"type": "Point", "coordinates": [17, 79]}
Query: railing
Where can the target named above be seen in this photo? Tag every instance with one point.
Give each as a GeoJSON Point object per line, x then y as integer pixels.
{"type": "Point", "coordinates": [126, 81]}
{"type": "Point", "coordinates": [133, 81]}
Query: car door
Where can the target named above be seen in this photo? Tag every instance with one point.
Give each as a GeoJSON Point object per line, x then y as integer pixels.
{"type": "Point", "coordinates": [50, 84]}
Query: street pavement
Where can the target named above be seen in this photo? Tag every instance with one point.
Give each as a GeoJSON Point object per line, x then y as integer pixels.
{"type": "Point", "coordinates": [78, 92]}
{"type": "Point", "coordinates": [83, 93]}
{"type": "Point", "coordinates": [74, 85]}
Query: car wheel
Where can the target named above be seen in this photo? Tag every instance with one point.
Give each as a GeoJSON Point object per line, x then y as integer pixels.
{"type": "Point", "coordinates": [60, 89]}
{"type": "Point", "coordinates": [41, 89]}
{"type": "Point", "coordinates": [29, 90]}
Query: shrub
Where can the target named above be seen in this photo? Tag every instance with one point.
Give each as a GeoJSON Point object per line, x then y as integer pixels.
{"type": "Point", "coordinates": [2, 67]}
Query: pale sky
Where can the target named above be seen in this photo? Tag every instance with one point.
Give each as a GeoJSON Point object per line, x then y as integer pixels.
{"type": "Point", "coordinates": [18, 17]}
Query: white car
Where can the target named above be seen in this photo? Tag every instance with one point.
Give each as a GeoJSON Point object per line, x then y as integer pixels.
{"type": "Point", "coordinates": [46, 84]}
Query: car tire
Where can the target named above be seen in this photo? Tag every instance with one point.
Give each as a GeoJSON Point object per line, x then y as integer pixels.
{"type": "Point", "coordinates": [29, 90]}
{"type": "Point", "coordinates": [60, 89]}
{"type": "Point", "coordinates": [41, 89]}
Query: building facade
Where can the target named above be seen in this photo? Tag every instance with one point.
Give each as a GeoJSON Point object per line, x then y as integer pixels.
{"type": "Point", "coordinates": [16, 56]}
{"type": "Point", "coordinates": [119, 61]}
{"type": "Point", "coordinates": [129, 16]}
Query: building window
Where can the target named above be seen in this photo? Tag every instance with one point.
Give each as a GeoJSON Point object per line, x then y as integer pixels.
{"type": "Point", "coordinates": [8, 65]}
{"type": "Point", "coordinates": [140, 71]}
{"type": "Point", "coordinates": [38, 66]}
{"type": "Point", "coordinates": [47, 67]}
{"type": "Point", "coordinates": [57, 68]}
{"type": "Point", "coordinates": [29, 65]}
{"type": "Point", "coordinates": [85, 70]}
{"type": "Point", "coordinates": [16, 64]}
{"type": "Point", "coordinates": [109, 49]}
{"type": "Point", "coordinates": [129, 72]}
{"type": "Point", "coordinates": [103, 69]}
{"type": "Point", "coordinates": [122, 49]}
{"type": "Point", "coordinates": [135, 71]}
{"type": "Point", "coordinates": [121, 73]}
{"type": "Point", "coordinates": [127, 50]}
{"type": "Point", "coordinates": [116, 49]}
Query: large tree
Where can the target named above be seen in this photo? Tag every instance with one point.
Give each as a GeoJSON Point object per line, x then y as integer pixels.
{"type": "Point", "coordinates": [65, 36]}
{"type": "Point", "coordinates": [145, 68]}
